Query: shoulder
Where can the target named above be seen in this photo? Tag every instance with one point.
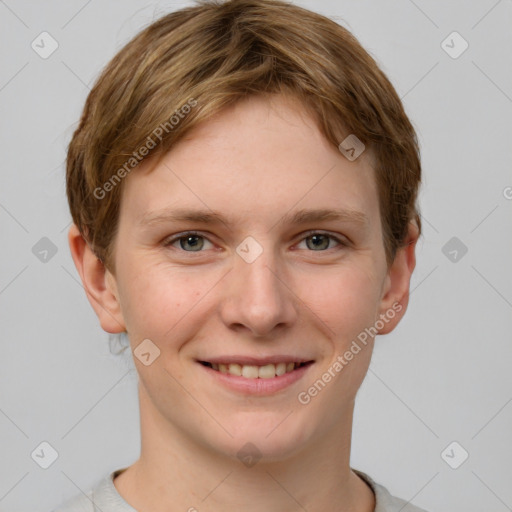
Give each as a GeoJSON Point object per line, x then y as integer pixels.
{"type": "Point", "coordinates": [103, 497]}
{"type": "Point", "coordinates": [384, 501]}
{"type": "Point", "coordinates": [79, 503]}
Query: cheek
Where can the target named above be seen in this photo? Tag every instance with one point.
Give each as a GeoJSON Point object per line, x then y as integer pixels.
{"type": "Point", "coordinates": [346, 298]}
{"type": "Point", "coordinates": [156, 300]}
{"type": "Point", "coordinates": [341, 300]}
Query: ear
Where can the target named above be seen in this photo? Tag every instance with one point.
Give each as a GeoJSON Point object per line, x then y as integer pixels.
{"type": "Point", "coordinates": [395, 295]}
{"type": "Point", "coordinates": [99, 284]}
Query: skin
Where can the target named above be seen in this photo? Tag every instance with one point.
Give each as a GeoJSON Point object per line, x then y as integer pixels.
{"type": "Point", "coordinates": [254, 163]}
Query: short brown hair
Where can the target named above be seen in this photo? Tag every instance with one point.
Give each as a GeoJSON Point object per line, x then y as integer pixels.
{"type": "Point", "coordinates": [212, 55]}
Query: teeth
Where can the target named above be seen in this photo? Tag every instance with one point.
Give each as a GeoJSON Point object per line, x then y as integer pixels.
{"type": "Point", "coordinates": [281, 368]}
{"type": "Point", "coordinates": [250, 372]}
{"type": "Point", "coordinates": [267, 371]}
{"type": "Point", "coordinates": [235, 369]}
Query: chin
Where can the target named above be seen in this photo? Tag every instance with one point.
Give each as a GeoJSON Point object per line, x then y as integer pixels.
{"type": "Point", "coordinates": [267, 438]}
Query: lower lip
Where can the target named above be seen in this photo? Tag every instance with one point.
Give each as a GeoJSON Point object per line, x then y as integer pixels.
{"type": "Point", "coordinates": [257, 386]}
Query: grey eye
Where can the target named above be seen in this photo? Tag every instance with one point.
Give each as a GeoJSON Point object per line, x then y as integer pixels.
{"type": "Point", "coordinates": [318, 241]}
{"type": "Point", "coordinates": [194, 241]}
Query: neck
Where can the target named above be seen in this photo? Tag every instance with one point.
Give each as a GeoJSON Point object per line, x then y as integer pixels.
{"type": "Point", "coordinates": [176, 473]}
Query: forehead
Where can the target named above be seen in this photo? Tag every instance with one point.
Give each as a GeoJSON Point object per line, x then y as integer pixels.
{"type": "Point", "coordinates": [260, 157]}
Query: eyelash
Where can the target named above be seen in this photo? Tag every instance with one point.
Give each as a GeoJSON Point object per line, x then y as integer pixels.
{"type": "Point", "coordinates": [168, 242]}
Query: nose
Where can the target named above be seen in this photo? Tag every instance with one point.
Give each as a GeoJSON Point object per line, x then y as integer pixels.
{"type": "Point", "coordinates": [258, 297]}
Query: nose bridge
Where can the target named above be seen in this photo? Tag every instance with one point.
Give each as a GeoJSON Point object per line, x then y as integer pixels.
{"type": "Point", "coordinates": [257, 299]}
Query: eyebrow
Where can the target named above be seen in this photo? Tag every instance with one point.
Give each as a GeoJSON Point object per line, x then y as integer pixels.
{"type": "Point", "coordinates": [304, 216]}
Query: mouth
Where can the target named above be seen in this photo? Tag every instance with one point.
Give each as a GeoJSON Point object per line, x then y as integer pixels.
{"type": "Point", "coordinates": [255, 371]}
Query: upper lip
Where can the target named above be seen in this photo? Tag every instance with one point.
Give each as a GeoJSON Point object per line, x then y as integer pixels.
{"type": "Point", "coordinates": [255, 361]}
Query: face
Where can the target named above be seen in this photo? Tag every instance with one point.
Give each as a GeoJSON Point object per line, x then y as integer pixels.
{"type": "Point", "coordinates": [227, 261]}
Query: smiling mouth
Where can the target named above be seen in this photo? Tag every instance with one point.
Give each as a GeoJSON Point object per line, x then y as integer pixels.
{"type": "Point", "coordinates": [267, 371]}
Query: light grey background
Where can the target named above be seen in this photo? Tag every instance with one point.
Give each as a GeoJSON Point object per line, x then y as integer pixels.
{"type": "Point", "coordinates": [444, 374]}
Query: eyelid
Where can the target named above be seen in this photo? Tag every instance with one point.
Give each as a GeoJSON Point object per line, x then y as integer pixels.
{"type": "Point", "coordinates": [168, 241]}
{"type": "Point", "coordinates": [341, 240]}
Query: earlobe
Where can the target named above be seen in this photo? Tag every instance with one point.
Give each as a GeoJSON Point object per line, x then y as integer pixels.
{"type": "Point", "coordinates": [396, 290]}
{"type": "Point", "coordinates": [99, 284]}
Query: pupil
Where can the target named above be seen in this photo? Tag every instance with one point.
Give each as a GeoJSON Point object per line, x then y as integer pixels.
{"type": "Point", "coordinates": [193, 244]}
{"type": "Point", "coordinates": [320, 239]}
